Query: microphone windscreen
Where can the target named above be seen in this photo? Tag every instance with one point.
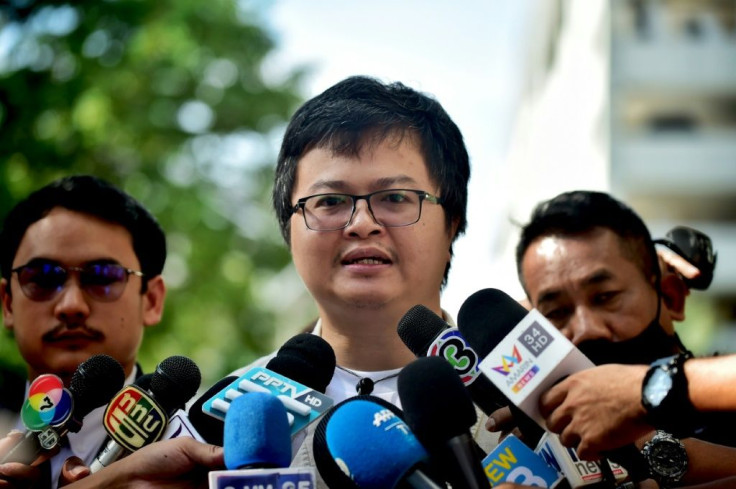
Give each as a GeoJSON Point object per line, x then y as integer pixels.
{"type": "Point", "coordinates": [175, 381]}
{"type": "Point", "coordinates": [209, 427]}
{"type": "Point", "coordinates": [372, 445]}
{"type": "Point", "coordinates": [437, 406]}
{"type": "Point", "coordinates": [486, 317]}
{"type": "Point", "coordinates": [419, 327]}
{"type": "Point", "coordinates": [94, 383]}
{"type": "Point", "coordinates": [305, 358]}
{"type": "Point", "coordinates": [328, 468]}
{"type": "Point", "coordinates": [144, 381]}
{"type": "Point", "coordinates": [257, 433]}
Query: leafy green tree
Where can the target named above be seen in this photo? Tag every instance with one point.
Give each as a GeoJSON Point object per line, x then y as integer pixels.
{"type": "Point", "coordinates": [173, 101]}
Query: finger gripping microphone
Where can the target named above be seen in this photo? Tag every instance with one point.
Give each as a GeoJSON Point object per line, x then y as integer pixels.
{"type": "Point", "coordinates": [427, 334]}
{"type": "Point", "coordinates": [439, 411]}
{"type": "Point", "coordinates": [93, 384]}
{"type": "Point", "coordinates": [137, 417]}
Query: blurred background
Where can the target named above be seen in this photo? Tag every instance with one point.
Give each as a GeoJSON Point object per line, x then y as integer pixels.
{"type": "Point", "coordinates": [183, 103]}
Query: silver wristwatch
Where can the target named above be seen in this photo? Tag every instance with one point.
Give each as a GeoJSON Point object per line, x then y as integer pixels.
{"type": "Point", "coordinates": [666, 457]}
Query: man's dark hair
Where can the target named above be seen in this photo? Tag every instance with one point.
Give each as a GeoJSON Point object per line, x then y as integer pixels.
{"type": "Point", "coordinates": [579, 212]}
{"type": "Point", "coordinates": [95, 197]}
{"type": "Point", "coordinates": [360, 111]}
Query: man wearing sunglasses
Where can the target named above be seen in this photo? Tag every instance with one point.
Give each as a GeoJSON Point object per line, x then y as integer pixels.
{"type": "Point", "coordinates": [81, 266]}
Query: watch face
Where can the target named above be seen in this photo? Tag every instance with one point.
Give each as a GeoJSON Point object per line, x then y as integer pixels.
{"type": "Point", "coordinates": [668, 459]}
{"type": "Point", "coordinates": [658, 386]}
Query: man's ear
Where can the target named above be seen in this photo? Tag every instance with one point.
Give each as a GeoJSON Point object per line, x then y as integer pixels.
{"type": "Point", "coordinates": [674, 292]}
{"type": "Point", "coordinates": [7, 304]}
{"type": "Point", "coordinates": [153, 301]}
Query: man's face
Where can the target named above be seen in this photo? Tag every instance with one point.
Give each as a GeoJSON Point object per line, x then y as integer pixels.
{"type": "Point", "coordinates": [366, 265]}
{"type": "Point", "coordinates": [587, 287]}
{"type": "Point", "coordinates": [56, 335]}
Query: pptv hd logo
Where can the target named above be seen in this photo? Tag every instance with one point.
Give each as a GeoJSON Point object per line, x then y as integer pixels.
{"type": "Point", "coordinates": [517, 370]}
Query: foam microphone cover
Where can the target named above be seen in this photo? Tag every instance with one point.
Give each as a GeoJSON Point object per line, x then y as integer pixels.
{"type": "Point", "coordinates": [419, 327]}
{"type": "Point", "coordinates": [436, 404]}
{"type": "Point", "coordinates": [305, 358]}
{"type": "Point", "coordinates": [93, 384]}
{"type": "Point", "coordinates": [368, 442]}
{"type": "Point", "coordinates": [209, 427]}
{"type": "Point", "coordinates": [328, 468]}
{"type": "Point", "coordinates": [486, 317]}
{"type": "Point", "coordinates": [257, 433]}
{"type": "Point", "coordinates": [175, 381]}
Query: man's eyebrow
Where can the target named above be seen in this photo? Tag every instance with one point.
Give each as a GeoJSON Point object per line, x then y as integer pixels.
{"type": "Point", "coordinates": [344, 186]}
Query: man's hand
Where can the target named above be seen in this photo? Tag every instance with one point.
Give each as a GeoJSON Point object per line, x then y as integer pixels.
{"type": "Point", "coordinates": [179, 462]}
{"type": "Point", "coordinates": [16, 475]}
{"type": "Point", "coordinates": [598, 409]}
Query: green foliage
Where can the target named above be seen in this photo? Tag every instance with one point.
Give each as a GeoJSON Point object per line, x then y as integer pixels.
{"type": "Point", "coordinates": [167, 99]}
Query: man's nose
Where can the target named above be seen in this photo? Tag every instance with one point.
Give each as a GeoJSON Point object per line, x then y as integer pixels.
{"type": "Point", "coordinates": [586, 325]}
{"type": "Point", "coordinates": [72, 303]}
{"type": "Point", "coordinates": [362, 223]}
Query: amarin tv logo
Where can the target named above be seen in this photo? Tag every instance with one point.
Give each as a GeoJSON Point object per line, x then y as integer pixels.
{"type": "Point", "coordinates": [508, 362]}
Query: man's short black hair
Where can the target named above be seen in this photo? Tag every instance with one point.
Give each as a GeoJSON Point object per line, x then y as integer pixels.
{"type": "Point", "coordinates": [361, 111]}
{"type": "Point", "coordinates": [579, 212]}
{"type": "Point", "coordinates": [93, 196]}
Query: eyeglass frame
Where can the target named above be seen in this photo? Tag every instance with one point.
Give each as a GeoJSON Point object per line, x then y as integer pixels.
{"type": "Point", "coordinates": [422, 194]}
{"type": "Point", "coordinates": [67, 270]}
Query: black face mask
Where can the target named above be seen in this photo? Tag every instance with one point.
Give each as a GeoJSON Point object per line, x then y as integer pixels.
{"type": "Point", "coordinates": [649, 345]}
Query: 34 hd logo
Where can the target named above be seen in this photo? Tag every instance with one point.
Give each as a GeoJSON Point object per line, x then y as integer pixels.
{"type": "Point", "coordinates": [519, 372]}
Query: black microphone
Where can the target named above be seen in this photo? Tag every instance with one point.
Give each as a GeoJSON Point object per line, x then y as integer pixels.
{"type": "Point", "coordinates": [487, 318]}
{"type": "Point", "coordinates": [211, 429]}
{"type": "Point", "coordinates": [427, 334]}
{"type": "Point", "coordinates": [305, 358]}
{"type": "Point", "coordinates": [93, 384]}
{"type": "Point", "coordinates": [439, 410]}
{"type": "Point", "coordinates": [137, 417]}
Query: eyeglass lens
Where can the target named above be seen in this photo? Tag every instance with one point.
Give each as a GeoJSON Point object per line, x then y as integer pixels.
{"type": "Point", "coordinates": [391, 208]}
{"type": "Point", "coordinates": [42, 281]}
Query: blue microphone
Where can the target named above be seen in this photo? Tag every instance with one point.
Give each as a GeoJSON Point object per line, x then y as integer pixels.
{"type": "Point", "coordinates": [257, 433]}
{"type": "Point", "coordinates": [257, 445]}
{"type": "Point", "coordinates": [374, 447]}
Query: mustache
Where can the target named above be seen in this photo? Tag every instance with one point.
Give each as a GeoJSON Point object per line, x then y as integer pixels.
{"type": "Point", "coordinates": [61, 331]}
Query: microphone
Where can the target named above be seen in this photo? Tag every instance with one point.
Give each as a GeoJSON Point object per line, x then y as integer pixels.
{"type": "Point", "coordinates": [137, 417]}
{"type": "Point", "coordinates": [362, 442]}
{"type": "Point", "coordinates": [427, 334]}
{"type": "Point", "coordinates": [257, 446]}
{"type": "Point", "coordinates": [308, 363]}
{"type": "Point", "coordinates": [513, 461]}
{"type": "Point", "coordinates": [440, 412]}
{"type": "Point", "coordinates": [577, 472]}
{"type": "Point", "coordinates": [209, 427]}
{"type": "Point", "coordinates": [524, 355]}
{"type": "Point", "coordinates": [51, 411]}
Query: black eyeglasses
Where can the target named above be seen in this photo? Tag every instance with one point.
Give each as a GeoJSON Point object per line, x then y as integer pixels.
{"type": "Point", "coordinates": [695, 247]}
{"type": "Point", "coordinates": [390, 208]}
{"type": "Point", "coordinates": [42, 281]}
